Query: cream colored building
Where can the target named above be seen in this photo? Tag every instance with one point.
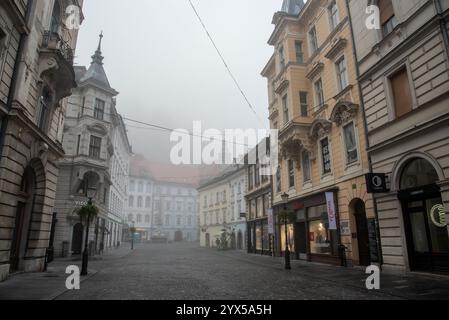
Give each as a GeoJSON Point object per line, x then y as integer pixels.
{"type": "Point", "coordinates": [404, 79]}
{"type": "Point", "coordinates": [222, 201]}
{"type": "Point", "coordinates": [315, 103]}
{"type": "Point", "coordinates": [37, 75]}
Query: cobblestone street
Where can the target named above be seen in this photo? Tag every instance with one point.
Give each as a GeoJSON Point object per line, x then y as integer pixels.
{"type": "Point", "coordinates": [182, 271]}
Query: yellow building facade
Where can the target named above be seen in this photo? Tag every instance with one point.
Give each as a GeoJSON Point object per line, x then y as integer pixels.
{"type": "Point", "coordinates": [315, 105]}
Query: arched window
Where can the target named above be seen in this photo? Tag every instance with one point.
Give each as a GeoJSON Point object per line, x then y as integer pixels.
{"type": "Point", "coordinates": [417, 173]}
{"type": "Point", "coordinates": [131, 201]}
{"type": "Point", "coordinates": [139, 202]}
{"type": "Point", "coordinates": [56, 18]}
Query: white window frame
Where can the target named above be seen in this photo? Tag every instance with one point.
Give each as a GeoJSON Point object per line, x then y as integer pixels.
{"type": "Point", "coordinates": [303, 168]}
{"type": "Point", "coordinates": [331, 15]}
{"type": "Point", "coordinates": [356, 162]}
{"type": "Point", "coordinates": [338, 72]}
{"type": "Point", "coordinates": [318, 104]}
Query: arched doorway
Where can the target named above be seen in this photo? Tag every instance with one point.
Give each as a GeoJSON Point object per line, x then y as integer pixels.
{"type": "Point", "coordinates": [24, 212]}
{"type": "Point", "coordinates": [358, 209]}
{"type": "Point", "coordinates": [425, 222]}
{"type": "Point", "coordinates": [240, 240]}
{"type": "Point", "coordinates": [178, 236]}
{"type": "Point", "coordinates": [77, 238]}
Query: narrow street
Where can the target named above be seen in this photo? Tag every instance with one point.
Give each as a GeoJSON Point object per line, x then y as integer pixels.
{"type": "Point", "coordinates": [186, 272]}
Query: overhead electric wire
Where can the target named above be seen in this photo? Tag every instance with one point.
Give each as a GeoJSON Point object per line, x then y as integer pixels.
{"type": "Point", "coordinates": [234, 79]}
{"type": "Point", "coordinates": [166, 129]}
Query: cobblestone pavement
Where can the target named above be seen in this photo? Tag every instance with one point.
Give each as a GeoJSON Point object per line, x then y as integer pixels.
{"type": "Point", "coordinates": [186, 272]}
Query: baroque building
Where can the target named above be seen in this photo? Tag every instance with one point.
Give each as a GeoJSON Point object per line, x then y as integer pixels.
{"type": "Point", "coordinates": [315, 105]}
{"type": "Point", "coordinates": [162, 202]}
{"type": "Point", "coordinates": [404, 79]}
{"type": "Point", "coordinates": [97, 153]}
{"type": "Point", "coordinates": [222, 205]}
{"type": "Point", "coordinates": [37, 76]}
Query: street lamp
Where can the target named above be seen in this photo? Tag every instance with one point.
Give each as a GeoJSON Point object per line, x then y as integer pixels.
{"type": "Point", "coordinates": [133, 231]}
{"type": "Point", "coordinates": [91, 192]}
{"type": "Point", "coordinates": [285, 197]}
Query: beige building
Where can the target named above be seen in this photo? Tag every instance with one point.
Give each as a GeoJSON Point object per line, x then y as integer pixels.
{"type": "Point", "coordinates": [222, 203]}
{"type": "Point", "coordinates": [404, 79]}
{"type": "Point", "coordinates": [315, 103]}
{"type": "Point", "coordinates": [36, 68]}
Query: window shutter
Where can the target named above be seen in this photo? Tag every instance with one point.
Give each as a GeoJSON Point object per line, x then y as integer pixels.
{"type": "Point", "coordinates": [386, 10]}
{"type": "Point", "coordinates": [401, 93]}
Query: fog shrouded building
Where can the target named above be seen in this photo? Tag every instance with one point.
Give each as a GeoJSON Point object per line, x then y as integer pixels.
{"type": "Point", "coordinates": [97, 157]}
{"type": "Point", "coordinates": [37, 76]}
{"type": "Point", "coordinates": [163, 201]}
{"type": "Point", "coordinates": [404, 80]}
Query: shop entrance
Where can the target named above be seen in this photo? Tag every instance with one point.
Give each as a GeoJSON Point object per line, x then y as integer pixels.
{"type": "Point", "coordinates": [362, 232]}
{"type": "Point", "coordinates": [424, 218]}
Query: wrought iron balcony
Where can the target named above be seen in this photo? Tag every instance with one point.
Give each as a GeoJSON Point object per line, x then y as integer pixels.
{"type": "Point", "coordinates": [53, 41]}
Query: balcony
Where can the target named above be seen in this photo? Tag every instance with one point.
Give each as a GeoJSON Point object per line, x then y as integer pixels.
{"type": "Point", "coordinates": [56, 64]}
{"type": "Point", "coordinates": [293, 139]}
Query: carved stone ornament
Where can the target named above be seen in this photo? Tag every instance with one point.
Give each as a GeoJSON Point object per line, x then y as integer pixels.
{"type": "Point", "coordinates": [320, 128]}
{"type": "Point", "coordinates": [344, 112]}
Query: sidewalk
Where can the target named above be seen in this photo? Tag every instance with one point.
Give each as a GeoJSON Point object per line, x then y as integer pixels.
{"type": "Point", "coordinates": [51, 284]}
{"type": "Point", "coordinates": [409, 286]}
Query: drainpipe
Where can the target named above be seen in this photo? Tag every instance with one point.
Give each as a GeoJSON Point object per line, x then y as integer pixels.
{"type": "Point", "coordinates": [362, 105]}
{"type": "Point", "coordinates": [12, 89]}
{"type": "Point", "coordinates": [443, 24]}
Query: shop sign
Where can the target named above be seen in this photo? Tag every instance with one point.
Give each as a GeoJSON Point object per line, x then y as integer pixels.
{"type": "Point", "coordinates": [270, 221]}
{"type": "Point", "coordinates": [345, 230]}
{"type": "Point", "coordinates": [332, 215]}
{"type": "Point", "coordinates": [438, 216]}
{"type": "Point", "coordinates": [376, 183]}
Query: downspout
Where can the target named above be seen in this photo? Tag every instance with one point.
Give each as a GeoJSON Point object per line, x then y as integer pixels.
{"type": "Point", "coordinates": [12, 89]}
{"type": "Point", "coordinates": [442, 21]}
{"type": "Point", "coordinates": [365, 126]}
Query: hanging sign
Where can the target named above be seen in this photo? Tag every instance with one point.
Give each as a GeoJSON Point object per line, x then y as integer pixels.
{"type": "Point", "coordinates": [332, 214]}
{"type": "Point", "coordinates": [376, 183]}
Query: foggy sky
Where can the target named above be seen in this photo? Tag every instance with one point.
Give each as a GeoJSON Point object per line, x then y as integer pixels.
{"type": "Point", "coordinates": [168, 73]}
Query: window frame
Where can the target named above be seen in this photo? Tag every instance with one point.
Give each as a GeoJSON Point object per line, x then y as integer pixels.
{"type": "Point", "coordinates": [333, 24]}
{"type": "Point", "coordinates": [342, 74]}
{"type": "Point", "coordinates": [309, 171]}
{"type": "Point", "coordinates": [356, 147]}
{"type": "Point", "coordinates": [99, 109]}
{"type": "Point", "coordinates": [285, 109]}
{"type": "Point", "coordinates": [323, 170]}
{"type": "Point", "coordinates": [300, 52]}
{"type": "Point", "coordinates": [93, 148]}
{"type": "Point", "coordinates": [304, 112]}
{"type": "Point", "coordinates": [313, 40]}
{"type": "Point", "coordinates": [319, 95]}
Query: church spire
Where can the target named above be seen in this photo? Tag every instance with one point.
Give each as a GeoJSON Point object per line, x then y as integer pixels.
{"type": "Point", "coordinates": [97, 57]}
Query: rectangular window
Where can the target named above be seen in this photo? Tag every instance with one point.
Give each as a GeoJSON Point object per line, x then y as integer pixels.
{"type": "Point", "coordinates": [278, 181]}
{"type": "Point", "coordinates": [291, 173]}
{"type": "Point", "coordinates": [285, 108]}
{"type": "Point", "coordinates": [388, 19]}
{"type": "Point", "coordinates": [167, 220]}
{"type": "Point", "coordinates": [326, 156]}
{"type": "Point", "coordinates": [78, 142]}
{"type": "Point", "coordinates": [319, 94]}
{"type": "Point", "coordinates": [313, 40]}
{"type": "Point", "coordinates": [350, 143]}
{"type": "Point", "coordinates": [402, 97]}
{"type": "Point", "coordinates": [95, 147]}
{"type": "Point", "coordinates": [333, 15]}
{"type": "Point", "coordinates": [303, 99]}
{"type": "Point", "coordinates": [299, 52]}
{"type": "Point", "coordinates": [44, 107]}
{"type": "Point", "coordinates": [282, 57]}
{"type": "Point", "coordinates": [260, 207]}
{"type": "Point", "coordinates": [321, 239]}
{"type": "Point", "coordinates": [99, 109]}
{"type": "Point", "coordinates": [306, 166]}
{"type": "Point", "coordinates": [342, 73]}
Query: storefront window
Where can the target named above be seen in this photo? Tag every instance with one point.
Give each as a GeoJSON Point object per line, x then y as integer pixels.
{"type": "Point", "coordinates": [259, 238]}
{"type": "Point", "coordinates": [266, 238]}
{"type": "Point", "coordinates": [321, 239]}
{"type": "Point", "coordinates": [291, 238]}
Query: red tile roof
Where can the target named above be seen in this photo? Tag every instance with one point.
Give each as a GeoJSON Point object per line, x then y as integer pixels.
{"type": "Point", "coordinates": [191, 175]}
